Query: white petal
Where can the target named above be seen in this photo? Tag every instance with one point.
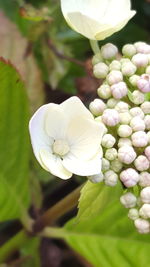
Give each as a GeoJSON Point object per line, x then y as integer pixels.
{"type": "Point", "coordinates": [54, 165]}
{"type": "Point", "coordinates": [81, 167]}
{"type": "Point", "coordinates": [84, 137]}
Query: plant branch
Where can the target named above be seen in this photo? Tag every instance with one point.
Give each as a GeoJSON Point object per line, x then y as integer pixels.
{"type": "Point", "coordinates": [94, 46]}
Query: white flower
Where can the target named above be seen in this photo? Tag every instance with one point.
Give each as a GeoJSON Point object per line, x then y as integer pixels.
{"type": "Point", "coordinates": [100, 70]}
{"type": "Point", "coordinates": [124, 130]}
{"type": "Point", "coordinates": [126, 154]}
{"type": "Point", "coordinates": [129, 50]}
{"type": "Point", "coordinates": [140, 60]}
{"type": "Point", "coordinates": [97, 107]}
{"type": "Point", "coordinates": [109, 51]}
{"type": "Point", "coordinates": [139, 139]}
{"type": "Point", "coordinates": [129, 177]}
{"type": "Point", "coordinates": [144, 179]}
{"type": "Point", "coordinates": [133, 214]}
{"type": "Point", "coordinates": [145, 195]}
{"type": "Point", "coordinates": [97, 178]}
{"type": "Point", "coordinates": [141, 163]}
{"type": "Point", "coordinates": [144, 211]}
{"type": "Point", "coordinates": [128, 200]}
{"type": "Point", "coordinates": [97, 19]}
{"type": "Point", "coordinates": [104, 91]}
{"type": "Point", "coordinates": [143, 226]}
{"type": "Point", "coordinates": [110, 178]}
{"type": "Point", "coordinates": [137, 124]}
{"type": "Point", "coordinates": [108, 141]}
{"type": "Point", "coordinates": [66, 139]}
{"type": "Point", "coordinates": [110, 117]}
{"type": "Point", "coordinates": [119, 90]}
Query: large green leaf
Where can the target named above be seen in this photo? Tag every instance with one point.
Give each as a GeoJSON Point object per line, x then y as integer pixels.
{"type": "Point", "coordinates": [14, 144]}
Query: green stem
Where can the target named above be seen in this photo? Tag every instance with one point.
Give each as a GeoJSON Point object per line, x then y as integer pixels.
{"type": "Point", "coordinates": [94, 46]}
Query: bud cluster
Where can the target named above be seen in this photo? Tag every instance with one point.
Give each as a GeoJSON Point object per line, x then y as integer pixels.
{"type": "Point", "coordinates": [123, 107]}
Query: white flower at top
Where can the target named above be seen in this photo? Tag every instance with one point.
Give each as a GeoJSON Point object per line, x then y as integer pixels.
{"type": "Point", "coordinates": [66, 139]}
{"type": "Point", "coordinates": [97, 19]}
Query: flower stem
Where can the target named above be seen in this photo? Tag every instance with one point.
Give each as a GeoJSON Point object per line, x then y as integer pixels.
{"type": "Point", "coordinates": [94, 46]}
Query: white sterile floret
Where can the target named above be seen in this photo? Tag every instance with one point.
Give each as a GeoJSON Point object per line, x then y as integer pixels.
{"type": "Point", "coordinates": [97, 58]}
{"type": "Point", "coordinates": [128, 200]}
{"type": "Point", "coordinates": [122, 107]}
{"type": "Point", "coordinates": [139, 139]}
{"type": "Point", "coordinates": [146, 107]}
{"type": "Point", "coordinates": [142, 163]}
{"type": "Point", "coordinates": [147, 152]}
{"type": "Point", "coordinates": [126, 154]}
{"type": "Point", "coordinates": [97, 107]}
{"type": "Point", "coordinates": [144, 211]}
{"type": "Point", "coordinates": [137, 112]}
{"type": "Point", "coordinates": [133, 79]}
{"type": "Point", "coordinates": [100, 70]}
{"type": "Point", "coordinates": [124, 130]}
{"type": "Point", "coordinates": [108, 141]}
{"type": "Point", "coordinates": [138, 97]}
{"type": "Point", "coordinates": [110, 117]}
{"type": "Point", "coordinates": [137, 124]}
{"type": "Point", "coordinates": [115, 65]}
{"type": "Point", "coordinates": [115, 76]}
{"type": "Point", "coordinates": [124, 142]}
{"type": "Point", "coordinates": [116, 165]}
{"type": "Point", "coordinates": [147, 122]}
{"type": "Point", "coordinates": [148, 135]}
{"type": "Point", "coordinates": [145, 195]}
{"type": "Point", "coordinates": [147, 70]}
{"type": "Point", "coordinates": [143, 226]}
{"type": "Point", "coordinates": [125, 117]}
{"type": "Point", "coordinates": [144, 179]}
{"type": "Point", "coordinates": [97, 178]}
{"type": "Point", "coordinates": [128, 69]}
{"type": "Point", "coordinates": [129, 50]}
{"type": "Point", "coordinates": [105, 165]}
{"type": "Point", "coordinates": [66, 139]}
{"type": "Point", "coordinates": [104, 91]}
{"type": "Point", "coordinates": [129, 177]}
{"type": "Point", "coordinates": [119, 90]}
{"type": "Point", "coordinates": [140, 60]}
{"type": "Point", "coordinates": [109, 51]}
{"type": "Point", "coordinates": [110, 178]}
{"type": "Point", "coordinates": [111, 154]}
{"type": "Point", "coordinates": [133, 214]}
{"type": "Point", "coordinates": [143, 83]}
{"type": "Point", "coordinates": [111, 103]}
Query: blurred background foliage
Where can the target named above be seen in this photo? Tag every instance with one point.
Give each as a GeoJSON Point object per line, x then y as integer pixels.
{"type": "Point", "coordinates": [55, 63]}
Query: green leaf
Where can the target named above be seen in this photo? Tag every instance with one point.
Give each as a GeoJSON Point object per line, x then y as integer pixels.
{"type": "Point", "coordinates": [14, 144]}
{"type": "Point", "coordinates": [30, 251]}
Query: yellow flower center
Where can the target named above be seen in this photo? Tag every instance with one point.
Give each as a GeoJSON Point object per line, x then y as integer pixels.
{"type": "Point", "coordinates": [60, 147]}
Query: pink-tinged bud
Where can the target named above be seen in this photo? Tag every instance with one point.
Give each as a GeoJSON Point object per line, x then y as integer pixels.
{"type": "Point", "coordinates": [143, 226]}
{"type": "Point", "coordinates": [144, 211]}
{"type": "Point", "coordinates": [148, 135]}
{"type": "Point", "coordinates": [128, 69]}
{"type": "Point", "coordinates": [97, 107]}
{"type": "Point", "coordinates": [147, 122]}
{"type": "Point", "coordinates": [147, 152]}
{"type": "Point", "coordinates": [115, 76]}
{"type": "Point", "coordinates": [133, 79]}
{"type": "Point", "coordinates": [145, 195]}
{"type": "Point", "coordinates": [96, 178]}
{"type": "Point", "coordinates": [144, 83]}
{"type": "Point", "coordinates": [119, 90]}
{"type": "Point", "coordinates": [126, 154]}
{"type": "Point", "coordinates": [111, 103]}
{"type": "Point", "coordinates": [139, 139]}
{"type": "Point", "coordinates": [142, 47]}
{"type": "Point", "coordinates": [104, 91]}
{"type": "Point", "coordinates": [129, 50]}
{"type": "Point", "coordinates": [138, 97]}
{"type": "Point", "coordinates": [109, 51]}
{"type": "Point", "coordinates": [148, 70]}
{"type": "Point", "coordinates": [110, 117]}
{"type": "Point", "coordinates": [110, 178]}
{"type": "Point", "coordinates": [124, 130]}
{"type": "Point", "coordinates": [111, 154]}
{"type": "Point", "coordinates": [128, 200]}
{"type": "Point", "coordinates": [100, 70]}
{"type": "Point", "coordinates": [144, 179]}
{"type": "Point", "coordinates": [122, 107]}
{"type": "Point", "coordinates": [108, 141]}
{"type": "Point", "coordinates": [125, 118]}
{"type": "Point", "coordinates": [137, 124]}
{"type": "Point", "coordinates": [133, 214]}
{"type": "Point", "coordinates": [124, 142]}
{"type": "Point", "coordinates": [105, 165]}
{"type": "Point", "coordinates": [142, 163]}
{"type": "Point", "coordinates": [137, 112]}
{"type": "Point", "coordinates": [140, 60]}
{"type": "Point", "coordinates": [115, 65]}
{"type": "Point", "coordinates": [129, 177]}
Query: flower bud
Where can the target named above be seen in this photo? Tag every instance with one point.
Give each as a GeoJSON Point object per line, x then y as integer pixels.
{"type": "Point", "coordinates": [141, 163]}
{"type": "Point", "coordinates": [110, 178]}
{"type": "Point", "coordinates": [124, 60]}
{"type": "Point", "coordinates": [148, 135]}
{"type": "Point", "coordinates": [122, 107]}
{"type": "Point", "coordinates": [128, 68]}
{"type": "Point", "coordinates": [137, 112]}
{"type": "Point", "coordinates": [145, 195]}
{"type": "Point", "coordinates": [110, 117]}
{"type": "Point", "coordinates": [97, 58]}
{"type": "Point", "coordinates": [138, 97]}
{"type": "Point", "coordinates": [109, 51]}
{"type": "Point", "coordinates": [147, 152]}
{"type": "Point", "coordinates": [144, 179]}
{"type": "Point", "coordinates": [148, 70]}
{"type": "Point", "coordinates": [115, 76]}
{"type": "Point", "coordinates": [96, 178]}
{"type": "Point", "coordinates": [129, 50]}
{"type": "Point", "coordinates": [115, 65]}
{"type": "Point", "coordinates": [111, 103]}
{"type": "Point", "coordinates": [144, 211]}
{"type": "Point", "coordinates": [124, 130]}
{"type": "Point", "coordinates": [111, 154]}
{"type": "Point", "coordinates": [129, 177]}
{"type": "Point", "coordinates": [97, 107]}
{"type": "Point", "coordinates": [142, 226]}
{"type": "Point", "coordinates": [125, 118]}
{"type": "Point", "coordinates": [100, 70]}
{"type": "Point", "coordinates": [124, 142]}
{"type": "Point", "coordinates": [108, 141]}
{"type": "Point", "coordinates": [146, 107]}
{"type": "Point", "coordinates": [147, 122]}
{"type": "Point", "coordinates": [104, 91]}
{"type": "Point", "coordinates": [137, 124]}
{"type": "Point", "coordinates": [119, 90]}
{"type": "Point", "coordinates": [116, 165]}
{"type": "Point", "coordinates": [143, 83]}
{"type": "Point", "coordinates": [140, 60]}
{"type": "Point", "coordinates": [133, 214]}
{"type": "Point", "coordinates": [128, 200]}
{"type": "Point", "coordinates": [126, 154]}
{"type": "Point", "coordinates": [105, 165]}
{"type": "Point", "coordinates": [139, 139]}
{"type": "Point", "coordinates": [133, 79]}
{"type": "Point", "coordinates": [142, 47]}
